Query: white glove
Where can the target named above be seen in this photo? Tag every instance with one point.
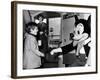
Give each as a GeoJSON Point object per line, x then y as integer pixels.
{"type": "Point", "coordinates": [55, 51]}
{"type": "Point", "coordinates": [52, 52]}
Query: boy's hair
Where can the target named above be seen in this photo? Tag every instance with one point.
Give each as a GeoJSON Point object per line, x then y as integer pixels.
{"type": "Point", "coordinates": [30, 25]}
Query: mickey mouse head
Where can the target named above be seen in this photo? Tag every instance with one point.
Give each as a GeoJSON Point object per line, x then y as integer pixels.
{"type": "Point", "coordinates": [81, 26]}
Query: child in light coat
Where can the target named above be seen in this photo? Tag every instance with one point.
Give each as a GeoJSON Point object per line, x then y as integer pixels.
{"type": "Point", "coordinates": [32, 55]}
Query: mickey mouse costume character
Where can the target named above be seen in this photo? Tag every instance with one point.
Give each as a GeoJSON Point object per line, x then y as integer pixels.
{"type": "Point", "coordinates": [80, 39]}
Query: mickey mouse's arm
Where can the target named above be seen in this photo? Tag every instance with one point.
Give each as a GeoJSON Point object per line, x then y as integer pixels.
{"type": "Point", "coordinates": [84, 37]}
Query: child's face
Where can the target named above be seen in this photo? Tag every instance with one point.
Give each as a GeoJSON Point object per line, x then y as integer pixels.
{"type": "Point", "coordinates": [34, 31]}
{"type": "Point", "coordinates": [80, 28]}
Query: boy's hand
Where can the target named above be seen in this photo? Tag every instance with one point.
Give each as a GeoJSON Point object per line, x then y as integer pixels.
{"type": "Point", "coordinates": [42, 54]}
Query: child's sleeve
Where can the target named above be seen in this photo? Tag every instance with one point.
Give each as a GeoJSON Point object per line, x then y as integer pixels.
{"type": "Point", "coordinates": [33, 48]}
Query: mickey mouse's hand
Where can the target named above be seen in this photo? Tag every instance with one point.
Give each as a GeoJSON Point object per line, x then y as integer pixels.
{"type": "Point", "coordinates": [55, 51]}
{"type": "Point", "coordinates": [52, 52]}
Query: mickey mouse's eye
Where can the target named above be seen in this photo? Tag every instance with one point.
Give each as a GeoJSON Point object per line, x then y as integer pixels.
{"type": "Point", "coordinates": [78, 32]}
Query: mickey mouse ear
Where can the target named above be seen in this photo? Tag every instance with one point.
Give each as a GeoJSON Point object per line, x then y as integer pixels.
{"type": "Point", "coordinates": [76, 18]}
{"type": "Point", "coordinates": [89, 19]}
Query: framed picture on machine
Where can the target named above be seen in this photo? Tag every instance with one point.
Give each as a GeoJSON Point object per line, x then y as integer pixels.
{"type": "Point", "coordinates": [50, 39]}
